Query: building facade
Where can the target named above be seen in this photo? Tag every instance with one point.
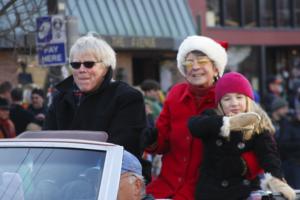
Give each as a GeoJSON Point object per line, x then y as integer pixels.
{"type": "Point", "coordinates": [263, 35]}
{"type": "Point", "coordinates": [145, 35]}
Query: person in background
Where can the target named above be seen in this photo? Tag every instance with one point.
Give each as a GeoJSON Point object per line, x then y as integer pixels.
{"type": "Point", "coordinates": [152, 96]}
{"type": "Point", "coordinates": [19, 116]}
{"type": "Point", "coordinates": [132, 184]}
{"type": "Point", "coordinates": [279, 115]}
{"type": "Point", "coordinates": [37, 106]}
{"type": "Point", "coordinates": [151, 89]}
{"type": "Point", "coordinates": [5, 90]}
{"type": "Point", "coordinates": [201, 61]}
{"type": "Point", "coordinates": [288, 140]}
{"type": "Point", "coordinates": [24, 77]}
{"type": "Point", "coordinates": [274, 89]}
{"type": "Point", "coordinates": [256, 96]}
{"type": "Point", "coordinates": [237, 125]}
{"type": "Point", "coordinates": [294, 96]}
{"type": "Point", "coordinates": [7, 128]}
{"type": "Point", "coordinates": [90, 100]}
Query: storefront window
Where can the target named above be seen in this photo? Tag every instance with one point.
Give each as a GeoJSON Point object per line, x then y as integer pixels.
{"type": "Point", "coordinates": [283, 13]}
{"type": "Point", "coordinates": [169, 74]}
{"type": "Point", "coordinates": [249, 13]}
{"type": "Point", "coordinates": [213, 13]}
{"type": "Point", "coordinates": [266, 11]}
{"type": "Point", "coordinates": [245, 59]}
{"type": "Point", "coordinates": [297, 13]}
{"type": "Point", "coordinates": [232, 17]}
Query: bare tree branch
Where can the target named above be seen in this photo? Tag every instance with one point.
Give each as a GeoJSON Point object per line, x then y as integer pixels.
{"type": "Point", "coordinates": [18, 19]}
{"type": "Point", "coordinates": [6, 7]}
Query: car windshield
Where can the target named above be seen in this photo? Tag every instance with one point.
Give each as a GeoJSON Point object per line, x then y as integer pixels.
{"type": "Point", "coordinates": [50, 173]}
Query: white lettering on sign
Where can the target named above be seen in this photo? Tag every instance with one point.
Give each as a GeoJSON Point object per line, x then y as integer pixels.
{"type": "Point", "coordinates": [51, 49]}
{"type": "Point", "coordinates": [52, 58]}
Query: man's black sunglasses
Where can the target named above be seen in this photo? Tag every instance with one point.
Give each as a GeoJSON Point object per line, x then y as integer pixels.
{"type": "Point", "coordinates": [87, 64]}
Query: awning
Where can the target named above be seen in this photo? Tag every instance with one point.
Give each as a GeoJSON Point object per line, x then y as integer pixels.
{"type": "Point", "coordinates": [154, 24]}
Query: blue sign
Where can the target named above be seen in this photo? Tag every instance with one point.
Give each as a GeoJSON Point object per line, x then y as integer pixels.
{"type": "Point", "coordinates": [52, 54]}
{"type": "Point", "coordinates": [44, 31]}
{"type": "Point", "coordinates": [51, 40]}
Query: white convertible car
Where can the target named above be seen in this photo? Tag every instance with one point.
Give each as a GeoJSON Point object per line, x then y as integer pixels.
{"type": "Point", "coordinates": [59, 165]}
{"type": "Point", "coordinates": [63, 165]}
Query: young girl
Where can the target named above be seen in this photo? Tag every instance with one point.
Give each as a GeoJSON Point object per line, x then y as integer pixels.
{"type": "Point", "coordinates": [237, 125]}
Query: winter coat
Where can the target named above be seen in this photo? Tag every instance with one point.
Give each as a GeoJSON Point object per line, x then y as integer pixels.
{"type": "Point", "coordinates": [20, 117]}
{"type": "Point", "coordinates": [36, 112]}
{"type": "Point", "coordinates": [115, 108]}
{"type": "Point", "coordinates": [215, 182]}
{"type": "Point", "coordinates": [181, 152]}
{"type": "Point", "coordinates": [288, 139]}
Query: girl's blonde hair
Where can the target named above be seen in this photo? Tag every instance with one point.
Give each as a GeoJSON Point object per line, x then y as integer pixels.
{"type": "Point", "coordinates": [264, 125]}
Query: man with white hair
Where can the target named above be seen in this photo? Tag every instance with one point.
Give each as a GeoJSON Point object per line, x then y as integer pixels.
{"type": "Point", "coordinates": [90, 100]}
{"type": "Point", "coordinates": [132, 184]}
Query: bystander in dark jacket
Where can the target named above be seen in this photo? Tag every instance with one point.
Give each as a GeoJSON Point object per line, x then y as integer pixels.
{"type": "Point", "coordinates": [274, 90]}
{"type": "Point", "coordinates": [19, 116]}
{"type": "Point", "coordinates": [288, 139]}
{"type": "Point", "coordinates": [38, 107]}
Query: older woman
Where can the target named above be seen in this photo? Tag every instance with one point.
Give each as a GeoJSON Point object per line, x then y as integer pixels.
{"type": "Point", "coordinates": [90, 100]}
{"type": "Point", "coordinates": [201, 61]}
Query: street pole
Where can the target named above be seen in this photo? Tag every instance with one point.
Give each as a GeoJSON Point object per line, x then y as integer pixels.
{"type": "Point", "coordinates": [72, 31]}
{"type": "Point", "coordinates": [58, 7]}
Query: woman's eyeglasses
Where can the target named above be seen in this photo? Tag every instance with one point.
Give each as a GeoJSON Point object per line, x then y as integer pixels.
{"type": "Point", "coordinates": [200, 62]}
{"type": "Point", "coordinates": [86, 64]}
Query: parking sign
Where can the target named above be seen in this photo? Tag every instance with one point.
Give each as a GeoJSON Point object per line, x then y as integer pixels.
{"type": "Point", "coordinates": [51, 40]}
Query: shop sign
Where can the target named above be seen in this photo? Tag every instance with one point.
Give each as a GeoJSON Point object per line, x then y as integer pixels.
{"type": "Point", "coordinates": [51, 40]}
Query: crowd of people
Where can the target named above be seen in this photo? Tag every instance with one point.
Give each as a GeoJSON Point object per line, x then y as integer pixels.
{"type": "Point", "coordinates": [207, 139]}
{"type": "Point", "coordinates": [16, 115]}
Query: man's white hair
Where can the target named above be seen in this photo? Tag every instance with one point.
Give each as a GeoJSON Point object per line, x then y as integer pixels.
{"type": "Point", "coordinates": [95, 46]}
{"type": "Point", "coordinates": [141, 178]}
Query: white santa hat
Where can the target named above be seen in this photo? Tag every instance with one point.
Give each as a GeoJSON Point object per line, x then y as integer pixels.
{"type": "Point", "coordinates": [206, 45]}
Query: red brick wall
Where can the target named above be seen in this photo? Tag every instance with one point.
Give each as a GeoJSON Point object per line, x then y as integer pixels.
{"type": "Point", "coordinates": [254, 36]}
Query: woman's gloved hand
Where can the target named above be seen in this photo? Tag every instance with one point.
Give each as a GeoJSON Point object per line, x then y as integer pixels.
{"type": "Point", "coordinates": [276, 185]}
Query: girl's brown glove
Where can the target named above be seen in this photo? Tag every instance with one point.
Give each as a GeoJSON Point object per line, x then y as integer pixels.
{"type": "Point", "coordinates": [239, 122]}
{"type": "Point", "coordinates": [243, 121]}
{"type": "Point", "coordinates": [276, 185]}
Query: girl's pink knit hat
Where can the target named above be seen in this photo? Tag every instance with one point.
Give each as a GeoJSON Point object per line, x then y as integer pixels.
{"type": "Point", "coordinates": [233, 82]}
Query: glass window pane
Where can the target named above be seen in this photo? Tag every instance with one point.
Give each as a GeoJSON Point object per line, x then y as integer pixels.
{"type": "Point", "coordinates": [245, 59]}
{"type": "Point", "coordinates": [250, 13]}
{"type": "Point", "coordinates": [213, 13]}
{"type": "Point", "coordinates": [33, 173]}
{"type": "Point", "coordinates": [232, 13]}
{"type": "Point", "coordinates": [283, 13]}
{"type": "Point", "coordinates": [297, 13]}
{"type": "Point", "coordinates": [266, 11]}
